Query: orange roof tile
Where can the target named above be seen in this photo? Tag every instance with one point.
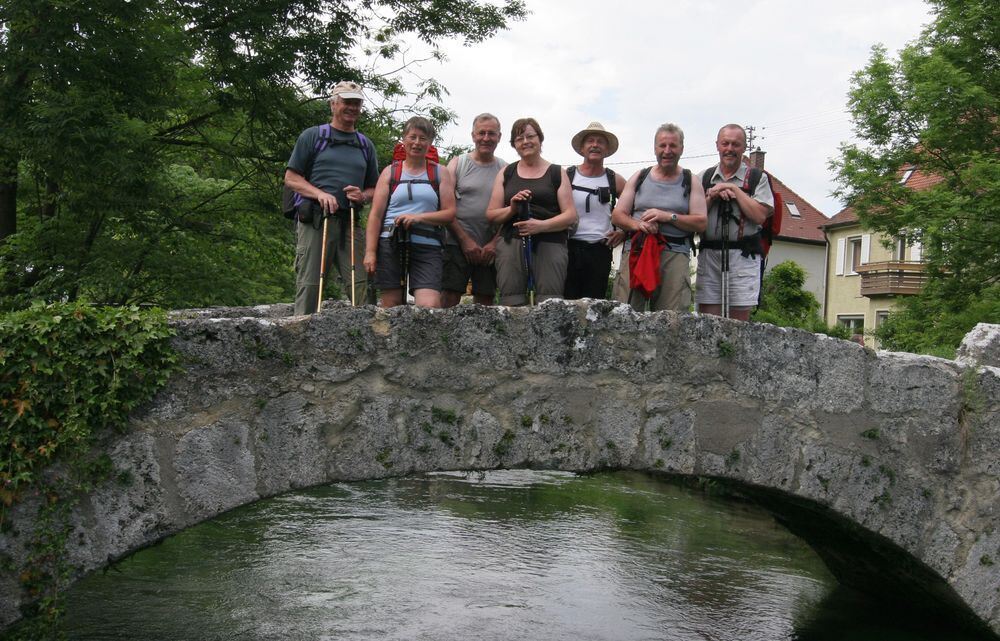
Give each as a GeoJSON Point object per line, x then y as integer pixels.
{"type": "Point", "coordinates": [807, 225]}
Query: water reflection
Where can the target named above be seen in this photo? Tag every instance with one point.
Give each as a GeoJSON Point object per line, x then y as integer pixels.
{"type": "Point", "coordinates": [504, 555]}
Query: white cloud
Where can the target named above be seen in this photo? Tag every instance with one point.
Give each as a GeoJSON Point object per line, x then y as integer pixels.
{"type": "Point", "coordinates": [781, 65]}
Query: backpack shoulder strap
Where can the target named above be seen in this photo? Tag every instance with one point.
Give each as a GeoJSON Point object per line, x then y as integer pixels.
{"type": "Point", "coordinates": [555, 175]}
{"type": "Point", "coordinates": [752, 180]}
{"type": "Point", "coordinates": [612, 181]}
{"type": "Point", "coordinates": [394, 177]}
{"type": "Point", "coordinates": [643, 175]}
{"type": "Point", "coordinates": [706, 177]}
{"type": "Point", "coordinates": [686, 182]}
{"type": "Point", "coordinates": [366, 146]}
{"type": "Point", "coordinates": [571, 172]}
{"type": "Point", "coordinates": [433, 175]}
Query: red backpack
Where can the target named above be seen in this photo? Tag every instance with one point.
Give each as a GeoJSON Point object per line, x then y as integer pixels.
{"type": "Point", "coordinates": [433, 171]}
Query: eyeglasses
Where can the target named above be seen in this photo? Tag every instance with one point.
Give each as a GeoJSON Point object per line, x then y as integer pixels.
{"type": "Point", "coordinates": [526, 137]}
{"type": "Point", "coordinates": [488, 134]}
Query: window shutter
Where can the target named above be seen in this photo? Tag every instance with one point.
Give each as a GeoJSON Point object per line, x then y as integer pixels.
{"type": "Point", "coordinates": [866, 249]}
{"type": "Point", "coordinates": [915, 251]}
{"type": "Point", "coordinates": [841, 255]}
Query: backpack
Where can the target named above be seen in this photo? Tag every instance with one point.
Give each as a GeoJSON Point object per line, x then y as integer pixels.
{"type": "Point", "coordinates": [291, 199]}
{"type": "Point", "coordinates": [433, 172]}
{"type": "Point", "coordinates": [772, 225]}
{"type": "Point", "coordinates": [571, 172]}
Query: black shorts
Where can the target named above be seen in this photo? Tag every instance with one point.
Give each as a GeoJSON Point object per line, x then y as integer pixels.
{"type": "Point", "coordinates": [458, 271]}
{"type": "Point", "coordinates": [425, 264]}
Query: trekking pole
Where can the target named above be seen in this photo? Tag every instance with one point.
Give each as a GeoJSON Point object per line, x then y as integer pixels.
{"type": "Point", "coordinates": [527, 248]}
{"type": "Point", "coordinates": [725, 210]}
{"type": "Point", "coordinates": [322, 262]}
{"type": "Point", "coordinates": [352, 254]}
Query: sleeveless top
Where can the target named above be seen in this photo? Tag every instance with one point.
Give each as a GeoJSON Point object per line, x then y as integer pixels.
{"type": "Point", "coordinates": [594, 224]}
{"type": "Point", "coordinates": [544, 201]}
{"type": "Point", "coordinates": [667, 195]}
{"type": "Point", "coordinates": [425, 201]}
{"type": "Point", "coordinates": [473, 187]}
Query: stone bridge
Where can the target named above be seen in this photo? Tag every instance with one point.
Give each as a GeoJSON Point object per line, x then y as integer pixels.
{"type": "Point", "coordinates": [886, 463]}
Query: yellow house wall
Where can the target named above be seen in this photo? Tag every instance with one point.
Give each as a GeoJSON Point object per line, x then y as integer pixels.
{"type": "Point", "coordinates": [844, 291]}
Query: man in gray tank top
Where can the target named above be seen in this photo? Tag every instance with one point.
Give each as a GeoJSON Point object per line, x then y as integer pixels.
{"type": "Point", "coordinates": [661, 203]}
{"type": "Point", "coordinates": [471, 243]}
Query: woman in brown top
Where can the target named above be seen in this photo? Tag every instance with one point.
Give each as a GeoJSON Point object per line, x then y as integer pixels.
{"type": "Point", "coordinates": [533, 202]}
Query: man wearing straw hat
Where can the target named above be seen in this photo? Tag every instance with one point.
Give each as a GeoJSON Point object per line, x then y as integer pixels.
{"type": "Point", "coordinates": [595, 190]}
{"type": "Point", "coordinates": [334, 168]}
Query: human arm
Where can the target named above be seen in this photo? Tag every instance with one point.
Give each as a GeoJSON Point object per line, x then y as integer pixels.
{"type": "Point", "coordinates": [375, 218]}
{"type": "Point", "coordinates": [498, 212]}
{"type": "Point", "coordinates": [696, 218]}
{"type": "Point", "coordinates": [616, 236]}
{"type": "Point", "coordinates": [469, 246]}
{"type": "Point", "coordinates": [298, 183]}
{"type": "Point", "coordinates": [621, 217]}
{"type": "Point", "coordinates": [754, 209]}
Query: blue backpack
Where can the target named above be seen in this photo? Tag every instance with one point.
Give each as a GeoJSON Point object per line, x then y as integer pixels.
{"type": "Point", "coordinates": [291, 199]}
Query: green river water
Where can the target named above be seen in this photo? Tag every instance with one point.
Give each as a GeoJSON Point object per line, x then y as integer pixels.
{"type": "Point", "coordinates": [497, 556]}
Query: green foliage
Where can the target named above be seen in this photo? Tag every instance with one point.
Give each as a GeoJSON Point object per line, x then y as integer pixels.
{"type": "Point", "coordinates": [69, 373]}
{"type": "Point", "coordinates": [934, 108]}
{"type": "Point", "coordinates": [936, 322]}
{"type": "Point", "coordinates": [145, 142]}
{"type": "Point", "coordinates": [785, 303]}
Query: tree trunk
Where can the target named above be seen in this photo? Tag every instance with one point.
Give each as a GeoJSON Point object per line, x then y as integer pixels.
{"type": "Point", "coordinates": [8, 197]}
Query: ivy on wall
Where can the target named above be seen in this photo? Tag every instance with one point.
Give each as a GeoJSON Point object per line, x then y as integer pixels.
{"type": "Point", "coordinates": [70, 373]}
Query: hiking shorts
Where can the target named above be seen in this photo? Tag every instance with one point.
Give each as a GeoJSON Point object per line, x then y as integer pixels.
{"type": "Point", "coordinates": [424, 267]}
{"type": "Point", "coordinates": [548, 264]}
{"type": "Point", "coordinates": [674, 292]}
{"type": "Point", "coordinates": [744, 278]}
{"type": "Point", "coordinates": [457, 272]}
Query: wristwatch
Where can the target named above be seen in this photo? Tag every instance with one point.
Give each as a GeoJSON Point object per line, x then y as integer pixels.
{"type": "Point", "coordinates": [673, 218]}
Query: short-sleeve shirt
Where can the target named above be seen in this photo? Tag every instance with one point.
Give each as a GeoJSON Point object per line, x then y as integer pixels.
{"type": "Point", "coordinates": [762, 195]}
{"type": "Point", "coordinates": [341, 163]}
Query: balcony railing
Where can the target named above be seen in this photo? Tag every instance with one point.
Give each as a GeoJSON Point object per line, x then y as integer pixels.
{"type": "Point", "coordinates": [892, 278]}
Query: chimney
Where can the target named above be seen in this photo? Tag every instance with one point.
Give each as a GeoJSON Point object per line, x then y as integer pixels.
{"type": "Point", "coordinates": [757, 158]}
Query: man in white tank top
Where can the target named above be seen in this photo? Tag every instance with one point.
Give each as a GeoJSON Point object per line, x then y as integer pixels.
{"type": "Point", "coordinates": [595, 191]}
{"type": "Point", "coordinates": [471, 244]}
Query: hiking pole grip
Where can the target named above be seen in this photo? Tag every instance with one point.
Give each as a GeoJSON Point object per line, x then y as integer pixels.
{"type": "Point", "coordinates": [322, 262]}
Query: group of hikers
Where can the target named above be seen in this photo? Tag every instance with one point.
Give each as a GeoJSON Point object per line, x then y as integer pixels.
{"type": "Point", "coordinates": [527, 231]}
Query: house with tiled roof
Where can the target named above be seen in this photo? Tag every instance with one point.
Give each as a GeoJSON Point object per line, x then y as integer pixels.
{"type": "Point", "coordinates": [801, 238]}
{"type": "Point", "coordinates": [867, 273]}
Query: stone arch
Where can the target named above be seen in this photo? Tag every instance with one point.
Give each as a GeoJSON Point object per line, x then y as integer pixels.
{"type": "Point", "coordinates": [886, 443]}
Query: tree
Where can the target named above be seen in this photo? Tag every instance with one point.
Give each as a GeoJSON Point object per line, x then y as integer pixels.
{"type": "Point", "coordinates": [934, 108]}
{"type": "Point", "coordinates": [144, 141]}
{"type": "Point", "coordinates": [785, 301]}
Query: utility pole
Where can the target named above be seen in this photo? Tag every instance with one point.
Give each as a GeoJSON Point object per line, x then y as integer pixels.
{"type": "Point", "coordinates": [750, 137]}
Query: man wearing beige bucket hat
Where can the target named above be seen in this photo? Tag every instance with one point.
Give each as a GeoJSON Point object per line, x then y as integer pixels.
{"type": "Point", "coordinates": [595, 190]}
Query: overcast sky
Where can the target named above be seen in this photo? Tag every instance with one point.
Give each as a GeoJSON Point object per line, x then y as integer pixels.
{"type": "Point", "coordinates": [783, 66]}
